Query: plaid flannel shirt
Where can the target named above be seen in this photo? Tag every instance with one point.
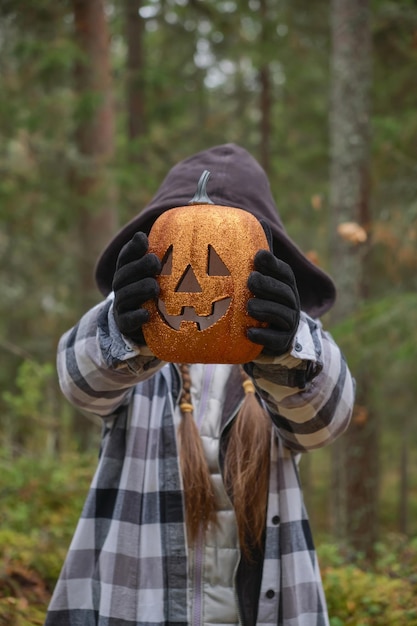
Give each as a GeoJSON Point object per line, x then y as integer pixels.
{"type": "Point", "coordinates": [127, 563]}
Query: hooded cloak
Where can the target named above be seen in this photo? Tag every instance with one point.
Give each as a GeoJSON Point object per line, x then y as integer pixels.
{"type": "Point", "coordinates": [236, 180]}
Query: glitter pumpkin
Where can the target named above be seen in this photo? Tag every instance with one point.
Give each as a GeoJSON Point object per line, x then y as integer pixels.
{"type": "Point", "coordinates": [207, 254]}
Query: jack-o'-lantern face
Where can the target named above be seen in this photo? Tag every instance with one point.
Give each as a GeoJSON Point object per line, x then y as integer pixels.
{"type": "Point", "coordinates": [207, 254]}
{"type": "Point", "coordinates": [201, 295]}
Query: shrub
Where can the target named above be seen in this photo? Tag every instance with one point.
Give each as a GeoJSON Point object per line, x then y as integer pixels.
{"type": "Point", "coordinates": [377, 597]}
{"type": "Point", "coordinates": [41, 503]}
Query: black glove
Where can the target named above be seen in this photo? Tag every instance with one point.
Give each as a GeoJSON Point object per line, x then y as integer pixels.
{"type": "Point", "coordinates": [277, 302]}
{"type": "Point", "coordinates": [133, 284]}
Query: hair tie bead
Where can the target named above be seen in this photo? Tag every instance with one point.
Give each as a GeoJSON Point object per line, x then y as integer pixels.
{"type": "Point", "coordinates": [186, 407]}
{"type": "Point", "coordinates": [248, 386]}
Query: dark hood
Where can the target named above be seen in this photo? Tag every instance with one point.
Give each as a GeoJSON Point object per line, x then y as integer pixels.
{"type": "Point", "coordinates": [236, 180]}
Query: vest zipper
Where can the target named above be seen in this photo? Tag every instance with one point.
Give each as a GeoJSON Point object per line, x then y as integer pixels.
{"type": "Point", "coordinates": [237, 600]}
{"type": "Point", "coordinates": [239, 614]}
{"type": "Point", "coordinates": [197, 605]}
{"type": "Point", "coordinates": [197, 610]}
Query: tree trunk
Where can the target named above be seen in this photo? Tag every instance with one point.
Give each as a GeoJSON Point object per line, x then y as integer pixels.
{"type": "Point", "coordinates": [92, 182]}
{"type": "Point", "coordinates": [265, 104]}
{"type": "Point", "coordinates": [134, 28]}
{"type": "Point", "coordinates": [349, 138]}
{"type": "Point", "coordinates": [404, 479]}
{"type": "Point", "coordinates": [355, 457]}
{"type": "Point", "coordinates": [265, 81]}
{"type": "Point", "coordinates": [95, 140]}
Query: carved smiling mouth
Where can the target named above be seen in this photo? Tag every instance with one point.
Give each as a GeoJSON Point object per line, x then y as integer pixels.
{"type": "Point", "coordinates": [188, 314]}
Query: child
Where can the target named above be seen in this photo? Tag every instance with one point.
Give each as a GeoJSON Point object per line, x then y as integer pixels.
{"type": "Point", "coordinates": [195, 514]}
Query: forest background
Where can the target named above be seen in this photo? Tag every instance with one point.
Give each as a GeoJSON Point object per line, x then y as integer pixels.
{"type": "Point", "coordinates": [97, 101]}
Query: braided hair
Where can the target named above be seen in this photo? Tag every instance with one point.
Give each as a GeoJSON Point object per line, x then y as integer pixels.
{"type": "Point", "coordinates": [246, 468]}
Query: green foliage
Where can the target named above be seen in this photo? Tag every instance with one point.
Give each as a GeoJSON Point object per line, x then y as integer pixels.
{"type": "Point", "coordinates": [29, 416]}
{"type": "Point", "coordinates": [31, 382]}
{"type": "Point", "coordinates": [393, 147]}
{"type": "Point", "coordinates": [41, 503]}
{"type": "Point", "coordinates": [379, 596]}
{"type": "Point", "coordinates": [381, 338]}
{"type": "Point", "coordinates": [392, 318]}
{"type": "Point", "coordinates": [365, 599]}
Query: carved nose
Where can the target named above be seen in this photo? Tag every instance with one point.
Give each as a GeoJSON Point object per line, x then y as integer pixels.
{"type": "Point", "coordinates": [188, 282]}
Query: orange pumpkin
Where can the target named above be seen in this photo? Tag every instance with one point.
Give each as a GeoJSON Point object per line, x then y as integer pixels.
{"type": "Point", "coordinates": [207, 254]}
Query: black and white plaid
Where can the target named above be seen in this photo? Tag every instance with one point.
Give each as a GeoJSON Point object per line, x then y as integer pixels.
{"type": "Point", "coordinates": [127, 563]}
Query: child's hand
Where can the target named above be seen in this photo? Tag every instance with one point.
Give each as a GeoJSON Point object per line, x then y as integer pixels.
{"type": "Point", "coordinates": [277, 302]}
{"type": "Point", "coordinates": [133, 284]}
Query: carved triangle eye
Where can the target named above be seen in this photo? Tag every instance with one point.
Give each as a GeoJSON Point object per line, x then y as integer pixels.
{"type": "Point", "coordinates": [189, 282]}
{"type": "Point", "coordinates": [215, 266]}
{"type": "Point", "coordinates": [167, 263]}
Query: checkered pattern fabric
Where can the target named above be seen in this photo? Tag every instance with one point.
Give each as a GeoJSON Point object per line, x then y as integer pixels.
{"type": "Point", "coordinates": [127, 563]}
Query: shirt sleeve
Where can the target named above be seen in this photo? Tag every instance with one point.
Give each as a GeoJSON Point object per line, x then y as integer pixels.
{"type": "Point", "coordinates": [97, 366]}
{"type": "Point", "coordinates": [309, 391]}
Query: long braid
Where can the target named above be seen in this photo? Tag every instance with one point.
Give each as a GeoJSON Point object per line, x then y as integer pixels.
{"type": "Point", "coordinates": [246, 467]}
{"type": "Point", "coordinates": [200, 505]}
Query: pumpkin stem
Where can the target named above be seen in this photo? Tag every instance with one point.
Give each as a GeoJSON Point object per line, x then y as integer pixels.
{"type": "Point", "coordinates": [200, 196]}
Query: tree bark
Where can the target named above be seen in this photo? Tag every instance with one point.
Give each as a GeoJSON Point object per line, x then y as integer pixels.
{"type": "Point", "coordinates": [265, 103]}
{"type": "Point", "coordinates": [266, 106]}
{"type": "Point", "coordinates": [349, 143]}
{"type": "Point", "coordinates": [134, 29]}
{"type": "Point", "coordinates": [92, 181]}
{"type": "Point", "coordinates": [93, 185]}
{"type": "Point", "coordinates": [355, 457]}
{"type": "Point", "coordinates": [404, 478]}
